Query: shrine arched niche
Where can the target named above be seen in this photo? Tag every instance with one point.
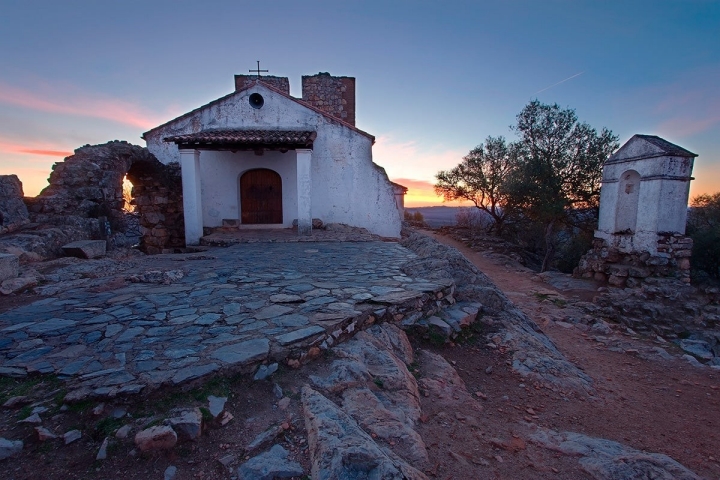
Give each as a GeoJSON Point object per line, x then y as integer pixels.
{"type": "Point", "coordinates": [627, 202]}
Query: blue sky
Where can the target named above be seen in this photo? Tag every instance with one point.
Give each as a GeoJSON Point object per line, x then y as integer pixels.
{"type": "Point", "coordinates": [434, 78]}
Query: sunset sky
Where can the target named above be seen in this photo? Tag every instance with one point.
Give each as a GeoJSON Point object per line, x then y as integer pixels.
{"type": "Point", "coordinates": [434, 78]}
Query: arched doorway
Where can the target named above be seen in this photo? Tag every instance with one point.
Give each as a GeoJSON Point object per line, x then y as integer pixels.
{"type": "Point", "coordinates": [261, 197]}
{"type": "Point", "coordinates": [627, 203]}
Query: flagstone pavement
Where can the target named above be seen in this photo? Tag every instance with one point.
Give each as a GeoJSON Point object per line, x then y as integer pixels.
{"type": "Point", "coordinates": [171, 319]}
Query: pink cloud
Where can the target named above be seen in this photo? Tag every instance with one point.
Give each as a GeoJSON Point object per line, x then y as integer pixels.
{"type": "Point", "coordinates": [70, 101]}
{"type": "Point", "coordinates": [412, 184]}
{"type": "Point", "coordinates": [688, 106]}
{"type": "Point", "coordinates": [50, 153]}
{"type": "Point", "coordinates": [685, 125]}
{"type": "Point", "coordinates": [47, 150]}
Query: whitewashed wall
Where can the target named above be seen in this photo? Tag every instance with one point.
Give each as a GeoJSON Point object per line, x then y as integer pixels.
{"type": "Point", "coordinates": [347, 186]}
{"type": "Point", "coordinates": [220, 183]}
{"type": "Point", "coordinates": [662, 199]}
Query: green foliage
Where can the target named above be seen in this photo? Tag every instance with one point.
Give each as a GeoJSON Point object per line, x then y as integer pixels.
{"type": "Point", "coordinates": [480, 178]}
{"type": "Point", "coordinates": [15, 387]}
{"type": "Point", "coordinates": [704, 228]}
{"type": "Point", "coordinates": [570, 251]}
{"type": "Point", "coordinates": [106, 427]}
{"type": "Point", "coordinates": [206, 415]}
{"type": "Point", "coordinates": [552, 170]}
{"type": "Point", "coordinates": [559, 167]}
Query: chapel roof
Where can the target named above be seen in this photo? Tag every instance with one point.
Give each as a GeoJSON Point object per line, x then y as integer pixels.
{"type": "Point", "coordinates": [658, 147]}
{"type": "Point", "coordinates": [245, 138]}
{"type": "Point", "coordinates": [667, 147]}
{"type": "Point", "coordinates": [275, 90]}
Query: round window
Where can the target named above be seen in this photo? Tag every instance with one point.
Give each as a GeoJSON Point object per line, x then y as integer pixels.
{"type": "Point", "coordinates": [256, 100]}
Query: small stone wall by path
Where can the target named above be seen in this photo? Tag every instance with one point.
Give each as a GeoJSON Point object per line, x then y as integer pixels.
{"type": "Point", "coordinates": [605, 263]}
{"type": "Point", "coordinates": [226, 310]}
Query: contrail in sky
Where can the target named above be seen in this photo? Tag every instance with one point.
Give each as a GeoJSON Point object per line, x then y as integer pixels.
{"type": "Point", "coordinates": [558, 83]}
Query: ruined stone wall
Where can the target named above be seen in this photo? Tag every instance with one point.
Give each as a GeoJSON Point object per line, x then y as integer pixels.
{"type": "Point", "coordinates": [157, 197]}
{"type": "Point", "coordinates": [13, 212]}
{"type": "Point", "coordinates": [334, 95]}
{"type": "Point", "coordinates": [279, 83]}
{"type": "Point", "coordinates": [89, 185]}
{"type": "Point", "coordinates": [608, 264]}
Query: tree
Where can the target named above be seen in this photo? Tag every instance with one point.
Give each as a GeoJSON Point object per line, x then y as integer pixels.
{"type": "Point", "coordinates": [704, 228]}
{"type": "Point", "coordinates": [479, 179]}
{"type": "Point", "coordinates": [558, 167]}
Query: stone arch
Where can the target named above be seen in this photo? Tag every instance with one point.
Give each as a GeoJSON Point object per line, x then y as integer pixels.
{"type": "Point", "coordinates": [261, 196]}
{"type": "Point", "coordinates": [627, 202]}
{"type": "Point", "coordinates": [88, 186]}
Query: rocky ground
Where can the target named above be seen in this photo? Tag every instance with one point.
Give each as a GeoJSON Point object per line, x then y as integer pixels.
{"type": "Point", "coordinates": [531, 389]}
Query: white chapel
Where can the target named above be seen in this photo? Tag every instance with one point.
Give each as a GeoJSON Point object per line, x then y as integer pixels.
{"type": "Point", "coordinates": [260, 157]}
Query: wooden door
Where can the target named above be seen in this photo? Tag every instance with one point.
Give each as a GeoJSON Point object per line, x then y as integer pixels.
{"type": "Point", "coordinates": [261, 197]}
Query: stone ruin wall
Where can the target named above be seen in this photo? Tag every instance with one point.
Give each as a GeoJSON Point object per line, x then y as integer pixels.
{"type": "Point", "coordinates": [609, 265]}
{"type": "Point", "coordinates": [85, 190]}
{"type": "Point", "coordinates": [13, 211]}
{"type": "Point", "coordinates": [157, 197]}
{"type": "Point", "coordinates": [333, 95]}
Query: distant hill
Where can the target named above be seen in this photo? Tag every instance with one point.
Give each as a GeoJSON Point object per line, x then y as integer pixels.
{"type": "Point", "coordinates": [437, 216]}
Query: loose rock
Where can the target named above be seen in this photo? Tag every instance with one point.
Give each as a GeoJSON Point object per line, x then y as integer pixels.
{"type": "Point", "coordinates": [156, 438]}
{"type": "Point", "coordinates": [9, 448]}
{"type": "Point", "coordinates": [187, 424]}
{"type": "Point", "coordinates": [71, 436]}
{"type": "Point", "coordinates": [270, 465]}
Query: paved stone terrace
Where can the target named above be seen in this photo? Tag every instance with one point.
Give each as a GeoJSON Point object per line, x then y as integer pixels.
{"type": "Point", "coordinates": [223, 310]}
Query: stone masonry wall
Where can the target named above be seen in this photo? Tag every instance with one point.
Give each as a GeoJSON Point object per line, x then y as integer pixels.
{"type": "Point", "coordinates": [157, 196]}
{"type": "Point", "coordinates": [89, 184]}
{"type": "Point", "coordinates": [279, 83]}
{"type": "Point", "coordinates": [607, 264]}
{"type": "Point", "coordinates": [334, 95]}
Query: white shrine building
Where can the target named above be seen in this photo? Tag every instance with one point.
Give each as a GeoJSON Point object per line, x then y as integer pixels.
{"type": "Point", "coordinates": [645, 190]}
{"type": "Point", "coordinates": [643, 210]}
{"type": "Point", "coordinates": [260, 157]}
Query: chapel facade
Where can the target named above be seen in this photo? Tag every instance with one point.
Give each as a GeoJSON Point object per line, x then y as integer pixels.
{"type": "Point", "coordinates": [260, 158]}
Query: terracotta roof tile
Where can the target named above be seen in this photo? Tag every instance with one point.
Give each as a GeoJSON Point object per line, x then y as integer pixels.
{"type": "Point", "coordinates": [244, 137]}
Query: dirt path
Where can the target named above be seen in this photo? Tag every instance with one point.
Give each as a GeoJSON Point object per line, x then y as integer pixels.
{"type": "Point", "coordinates": [642, 400]}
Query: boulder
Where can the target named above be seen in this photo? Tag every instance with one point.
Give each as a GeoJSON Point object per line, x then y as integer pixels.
{"type": "Point", "coordinates": [339, 448]}
{"type": "Point", "coordinates": [608, 459]}
{"type": "Point", "coordinates": [270, 465]}
{"type": "Point", "coordinates": [9, 266]}
{"type": "Point", "coordinates": [698, 348]}
{"type": "Point", "coordinates": [85, 248]}
{"type": "Point", "coordinates": [16, 285]}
